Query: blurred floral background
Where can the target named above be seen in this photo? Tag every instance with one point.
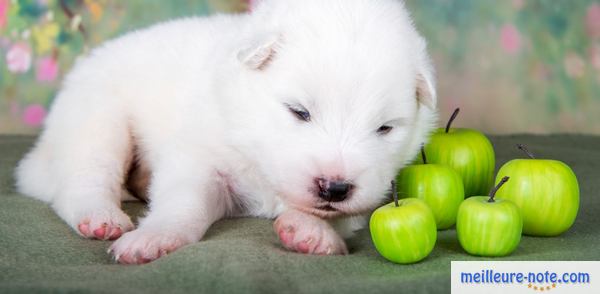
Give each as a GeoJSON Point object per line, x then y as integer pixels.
{"type": "Point", "coordinates": [513, 66]}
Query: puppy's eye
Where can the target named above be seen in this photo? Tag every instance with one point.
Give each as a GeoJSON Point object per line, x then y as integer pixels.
{"type": "Point", "coordinates": [384, 130]}
{"type": "Point", "coordinates": [299, 112]}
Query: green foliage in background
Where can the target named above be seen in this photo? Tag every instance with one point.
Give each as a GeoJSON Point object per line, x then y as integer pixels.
{"type": "Point", "coordinates": [514, 66]}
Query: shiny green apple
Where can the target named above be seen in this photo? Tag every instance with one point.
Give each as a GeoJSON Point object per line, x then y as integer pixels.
{"type": "Point", "coordinates": [467, 151]}
{"type": "Point", "coordinates": [546, 191]}
{"type": "Point", "coordinates": [403, 231]}
{"type": "Point", "coordinates": [438, 185]}
{"type": "Point", "coordinates": [487, 226]}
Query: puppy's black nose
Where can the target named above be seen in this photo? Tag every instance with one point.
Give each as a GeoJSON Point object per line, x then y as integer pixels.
{"type": "Point", "coordinates": [334, 191]}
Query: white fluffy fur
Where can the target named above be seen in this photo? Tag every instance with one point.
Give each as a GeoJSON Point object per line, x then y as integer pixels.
{"type": "Point", "coordinates": [203, 102]}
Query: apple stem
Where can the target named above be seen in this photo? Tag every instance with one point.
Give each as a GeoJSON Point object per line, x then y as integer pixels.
{"type": "Point", "coordinates": [524, 149]}
{"type": "Point", "coordinates": [395, 193]}
{"type": "Point", "coordinates": [452, 118]}
{"type": "Point", "coordinates": [423, 154]}
{"type": "Point", "coordinates": [495, 189]}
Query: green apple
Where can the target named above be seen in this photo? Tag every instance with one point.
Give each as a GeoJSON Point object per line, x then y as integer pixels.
{"type": "Point", "coordinates": [546, 191]}
{"type": "Point", "coordinates": [438, 185]}
{"type": "Point", "coordinates": [468, 151]}
{"type": "Point", "coordinates": [403, 231]}
{"type": "Point", "coordinates": [487, 226]}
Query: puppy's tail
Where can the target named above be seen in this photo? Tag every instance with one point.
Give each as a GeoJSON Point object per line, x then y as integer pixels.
{"type": "Point", "coordinates": [33, 177]}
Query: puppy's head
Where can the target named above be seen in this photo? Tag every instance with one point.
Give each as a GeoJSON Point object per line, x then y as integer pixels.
{"type": "Point", "coordinates": [336, 96]}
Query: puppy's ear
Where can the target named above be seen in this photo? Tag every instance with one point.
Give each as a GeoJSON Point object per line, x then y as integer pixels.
{"type": "Point", "coordinates": [261, 51]}
{"type": "Point", "coordinates": [425, 92]}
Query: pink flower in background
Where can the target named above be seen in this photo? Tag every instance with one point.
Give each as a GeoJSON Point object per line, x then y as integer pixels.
{"type": "Point", "coordinates": [574, 65]}
{"type": "Point", "coordinates": [18, 58]}
{"type": "Point", "coordinates": [510, 39]}
{"type": "Point", "coordinates": [34, 115]}
{"type": "Point", "coordinates": [4, 5]}
{"type": "Point", "coordinates": [47, 69]}
{"type": "Point", "coordinates": [592, 20]}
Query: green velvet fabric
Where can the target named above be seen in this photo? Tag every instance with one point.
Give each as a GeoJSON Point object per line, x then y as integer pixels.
{"type": "Point", "coordinates": [39, 253]}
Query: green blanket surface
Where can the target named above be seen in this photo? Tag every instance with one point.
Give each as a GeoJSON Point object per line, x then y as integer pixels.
{"type": "Point", "coordinates": [39, 253]}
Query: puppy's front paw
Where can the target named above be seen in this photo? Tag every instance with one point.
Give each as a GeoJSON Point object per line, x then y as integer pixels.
{"type": "Point", "coordinates": [103, 222]}
{"type": "Point", "coordinates": [308, 234]}
{"type": "Point", "coordinates": [145, 245]}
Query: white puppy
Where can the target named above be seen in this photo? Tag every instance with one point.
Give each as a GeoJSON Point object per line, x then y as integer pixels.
{"type": "Point", "coordinates": [301, 110]}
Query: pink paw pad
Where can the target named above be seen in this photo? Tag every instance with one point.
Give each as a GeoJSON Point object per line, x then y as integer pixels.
{"type": "Point", "coordinates": [286, 235]}
{"type": "Point", "coordinates": [115, 234]}
{"type": "Point", "coordinates": [304, 246]}
{"type": "Point", "coordinates": [100, 232]}
{"type": "Point", "coordinates": [84, 229]}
